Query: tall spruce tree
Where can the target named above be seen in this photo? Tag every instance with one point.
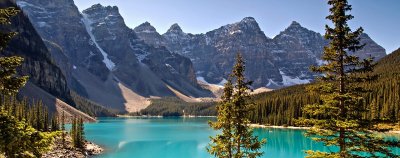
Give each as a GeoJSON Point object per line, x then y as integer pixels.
{"type": "Point", "coordinates": [63, 128]}
{"type": "Point", "coordinates": [236, 139]}
{"type": "Point", "coordinates": [339, 119]}
{"type": "Point", "coordinates": [81, 133]}
{"type": "Point", "coordinates": [73, 132]}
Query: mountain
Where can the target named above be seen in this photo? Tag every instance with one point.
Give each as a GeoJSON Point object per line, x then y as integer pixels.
{"type": "Point", "coordinates": [274, 63]}
{"type": "Point", "coordinates": [149, 34]}
{"type": "Point", "coordinates": [46, 81]}
{"type": "Point", "coordinates": [105, 61]}
{"type": "Point", "coordinates": [170, 69]}
{"type": "Point", "coordinates": [121, 68]}
{"type": "Point", "coordinates": [213, 53]}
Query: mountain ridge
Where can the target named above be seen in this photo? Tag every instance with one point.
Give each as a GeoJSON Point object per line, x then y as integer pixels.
{"type": "Point", "coordinates": [290, 53]}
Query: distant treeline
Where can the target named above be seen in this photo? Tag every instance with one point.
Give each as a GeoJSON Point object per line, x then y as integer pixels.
{"type": "Point", "coordinates": [282, 107]}
{"type": "Point", "coordinates": [91, 108]}
{"type": "Point", "coordinates": [172, 106]}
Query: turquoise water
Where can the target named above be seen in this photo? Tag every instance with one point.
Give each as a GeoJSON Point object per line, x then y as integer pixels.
{"type": "Point", "coordinates": [182, 138]}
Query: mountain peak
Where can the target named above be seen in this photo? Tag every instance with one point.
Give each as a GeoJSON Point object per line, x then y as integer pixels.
{"type": "Point", "coordinates": [295, 27]}
{"type": "Point", "coordinates": [175, 28]}
{"type": "Point", "coordinates": [145, 27]}
{"type": "Point", "coordinates": [98, 7]}
{"type": "Point", "coordinates": [247, 24]}
{"type": "Point", "coordinates": [295, 24]}
{"type": "Point", "coordinates": [248, 20]}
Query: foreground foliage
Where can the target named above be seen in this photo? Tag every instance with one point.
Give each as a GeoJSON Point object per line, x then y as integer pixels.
{"type": "Point", "coordinates": [338, 119]}
{"type": "Point", "coordinates": [236, 139]}
{"type": "Point", "coordinates": [18, 139]}
{"type": "Point", "coordinates": [17, 136]}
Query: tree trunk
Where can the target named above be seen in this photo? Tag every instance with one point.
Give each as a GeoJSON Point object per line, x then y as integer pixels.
{"type": "Point", "coordinates": [342, 107]}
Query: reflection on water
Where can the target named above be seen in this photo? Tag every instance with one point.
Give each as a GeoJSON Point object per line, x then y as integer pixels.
{"type": "Point", "coordinates": [183, 138]}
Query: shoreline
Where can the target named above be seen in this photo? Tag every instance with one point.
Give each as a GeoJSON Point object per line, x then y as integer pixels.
{"type": "Point", "coordinates": [396, 132]}
{"type": "Point", "coordinates": [159, 116]}
{"type": "Point", "coordinates": [277, 127]}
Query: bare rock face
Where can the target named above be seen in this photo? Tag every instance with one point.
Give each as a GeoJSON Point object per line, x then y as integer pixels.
{"type": "Point", "coordinates": [149, 34]}
{"type": "Point", "coordinates": [299, 48]}
{"type": "Point", "coordinates": [132, 55]}
{"type": "Point", "coordinates": [371, 48]}
{"type": "Point", "coordinates": [274, 63]}
{"type": "Point", "coordinates": [38, 64]}
{"type": "Point", "coordinates": [59, 22]}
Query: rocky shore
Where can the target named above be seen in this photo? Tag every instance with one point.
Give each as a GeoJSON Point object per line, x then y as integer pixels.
{"type": "Point", "coordinates": [66, 151]}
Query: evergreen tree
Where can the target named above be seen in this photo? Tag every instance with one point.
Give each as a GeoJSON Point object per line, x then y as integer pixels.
{"type": "Point", "coordinates": [55, 125]}
{"type": "Point", "coordinates": [236, 139]}
{"type": "Point", "coordinates": [81, 133]}
{"type": "Point", "coordinates": [339, 119]}
{"type": "Point", "coordinates": [63, 128]}
{"type": "Point", "coordinates": [73, 132]}
{"type": "Point", "coordinates": [77, 133]}
{"type": "Point", "coordinates": [17, 139]}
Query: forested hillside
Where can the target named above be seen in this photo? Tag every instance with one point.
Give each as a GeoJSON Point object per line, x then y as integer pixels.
{"type": "Point", "coordinates": [172, 106]}
{"type": "Point", "coordinates": [282, 107]}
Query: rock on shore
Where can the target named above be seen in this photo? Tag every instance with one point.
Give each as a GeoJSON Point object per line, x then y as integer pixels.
{"type": "Point", "coordinates": [59, 151]}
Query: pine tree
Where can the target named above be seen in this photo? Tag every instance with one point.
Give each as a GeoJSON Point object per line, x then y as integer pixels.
{"type": "Point", "coordinates": [73, 132]}
{"type": "Point", "coordinates": [81, 133]}
{"type": "Point", "coordinates": [55, 125]}
{"type": "Point", "coordinates": [338, 120]}
{"type": "Point", "coordinates": [236, 139]}
{"type": "Point", "coordinates": [63, 128]}
{"type": "Point", "coordinates": [222, 144]}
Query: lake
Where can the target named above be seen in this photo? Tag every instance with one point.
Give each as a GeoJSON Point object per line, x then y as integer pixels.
{"type": "Point", "coordinates": [182, 138]}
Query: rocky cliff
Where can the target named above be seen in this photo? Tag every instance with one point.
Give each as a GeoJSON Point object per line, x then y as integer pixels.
{"type": "Point", "coordinates": [38, 64]}
{"type": "Point", "coordinates": [131, 55]}
{"type": "Point", "coordinates": [274, 63]}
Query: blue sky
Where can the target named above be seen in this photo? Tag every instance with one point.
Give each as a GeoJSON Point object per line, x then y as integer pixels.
{"type": "Point", "coordinates": [379, 18]}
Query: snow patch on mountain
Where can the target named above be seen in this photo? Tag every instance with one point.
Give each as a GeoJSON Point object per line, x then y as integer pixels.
{"type": "Point", "coordinates": [220, 84]}
{"type": "Point", "coordinates": [289, 81]}
{"type": "Point", "coordinates": [110, 65]}
{"type": "Point", "coordinates": [139, 52]}
{"type": "Point", "coordinates": [271, 83]}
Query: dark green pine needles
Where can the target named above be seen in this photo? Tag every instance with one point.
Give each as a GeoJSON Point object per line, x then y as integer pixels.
{"type": "Point", "coordinates": [236, 139]}
{"type": "Point", "coordinates": [339, 120]}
